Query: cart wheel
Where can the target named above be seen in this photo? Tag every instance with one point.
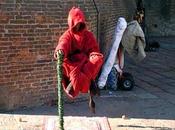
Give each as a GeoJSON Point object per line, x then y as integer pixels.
{"type": "Point", "coordinates": [126, 81]}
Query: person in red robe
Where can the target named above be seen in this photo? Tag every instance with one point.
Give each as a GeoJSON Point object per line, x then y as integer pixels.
{"type": "Point", "coordinates": [82, 57]}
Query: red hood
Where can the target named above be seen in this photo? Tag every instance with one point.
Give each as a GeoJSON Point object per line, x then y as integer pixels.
{"type": "Point", "coordinates": [75, 16]}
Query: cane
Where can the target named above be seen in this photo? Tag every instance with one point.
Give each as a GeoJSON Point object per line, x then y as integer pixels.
{"type": "Point", "coordinates": [60, 91]}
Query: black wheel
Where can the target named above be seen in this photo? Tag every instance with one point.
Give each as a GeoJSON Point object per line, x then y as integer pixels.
{"type": "Point", "coordinates": [126, 81]}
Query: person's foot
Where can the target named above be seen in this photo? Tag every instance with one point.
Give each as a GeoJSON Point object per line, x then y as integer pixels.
{"type": "Point", "coordinates": [69, 88]}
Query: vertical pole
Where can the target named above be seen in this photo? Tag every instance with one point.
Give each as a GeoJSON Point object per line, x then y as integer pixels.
{"type": "Point", "coordinates": [60, 91]}
{"type": "Point", "coordinates": [98, 19]}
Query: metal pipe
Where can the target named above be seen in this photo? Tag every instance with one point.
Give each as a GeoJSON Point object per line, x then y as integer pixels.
{"type": "Point", "coordinates": [98, 39]}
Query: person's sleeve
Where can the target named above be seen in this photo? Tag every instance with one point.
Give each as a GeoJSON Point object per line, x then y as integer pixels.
{"type": "Point", "coordinates": [64, 44]}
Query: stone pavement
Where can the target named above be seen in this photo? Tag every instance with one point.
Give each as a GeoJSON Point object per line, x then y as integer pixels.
{"type": "Point", "coordinates": [149, 106]}
{"type": "Point", "coordinates": [41, 122]}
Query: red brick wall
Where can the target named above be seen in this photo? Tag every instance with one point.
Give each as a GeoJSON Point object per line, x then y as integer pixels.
{"type": "Point", "coordinates": [29, 30]}
{"type": "Point", "coordinates": [110, 11]}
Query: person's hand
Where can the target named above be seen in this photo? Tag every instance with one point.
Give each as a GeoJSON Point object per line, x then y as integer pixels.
{"type": "Point", "coordinates": [120, 72]}
{"type": "Point", "coordinates": [60, 52]}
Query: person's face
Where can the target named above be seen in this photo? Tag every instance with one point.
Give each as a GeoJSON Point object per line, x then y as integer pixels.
{"type": "Point", "coordinates": [79, 27]}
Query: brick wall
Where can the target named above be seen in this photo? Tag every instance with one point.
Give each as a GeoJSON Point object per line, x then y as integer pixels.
{"type": "Point", "coordinates": [160, 17]}
{"type": "Point", "coordinates": [110, 11]}
{"type": "Point", "coordinates": [29, 30]}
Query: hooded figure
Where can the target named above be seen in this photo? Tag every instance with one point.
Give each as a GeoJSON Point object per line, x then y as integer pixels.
{"type": "Point", "coordinates": [82, 59]}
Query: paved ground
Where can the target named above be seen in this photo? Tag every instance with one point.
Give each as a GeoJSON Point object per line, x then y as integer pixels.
{"type": "Point", "coordinates": [149, 106]}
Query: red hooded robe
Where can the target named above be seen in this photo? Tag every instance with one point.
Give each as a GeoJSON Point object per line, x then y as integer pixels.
{"type": "Point", "coordinates": [82, 59]}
